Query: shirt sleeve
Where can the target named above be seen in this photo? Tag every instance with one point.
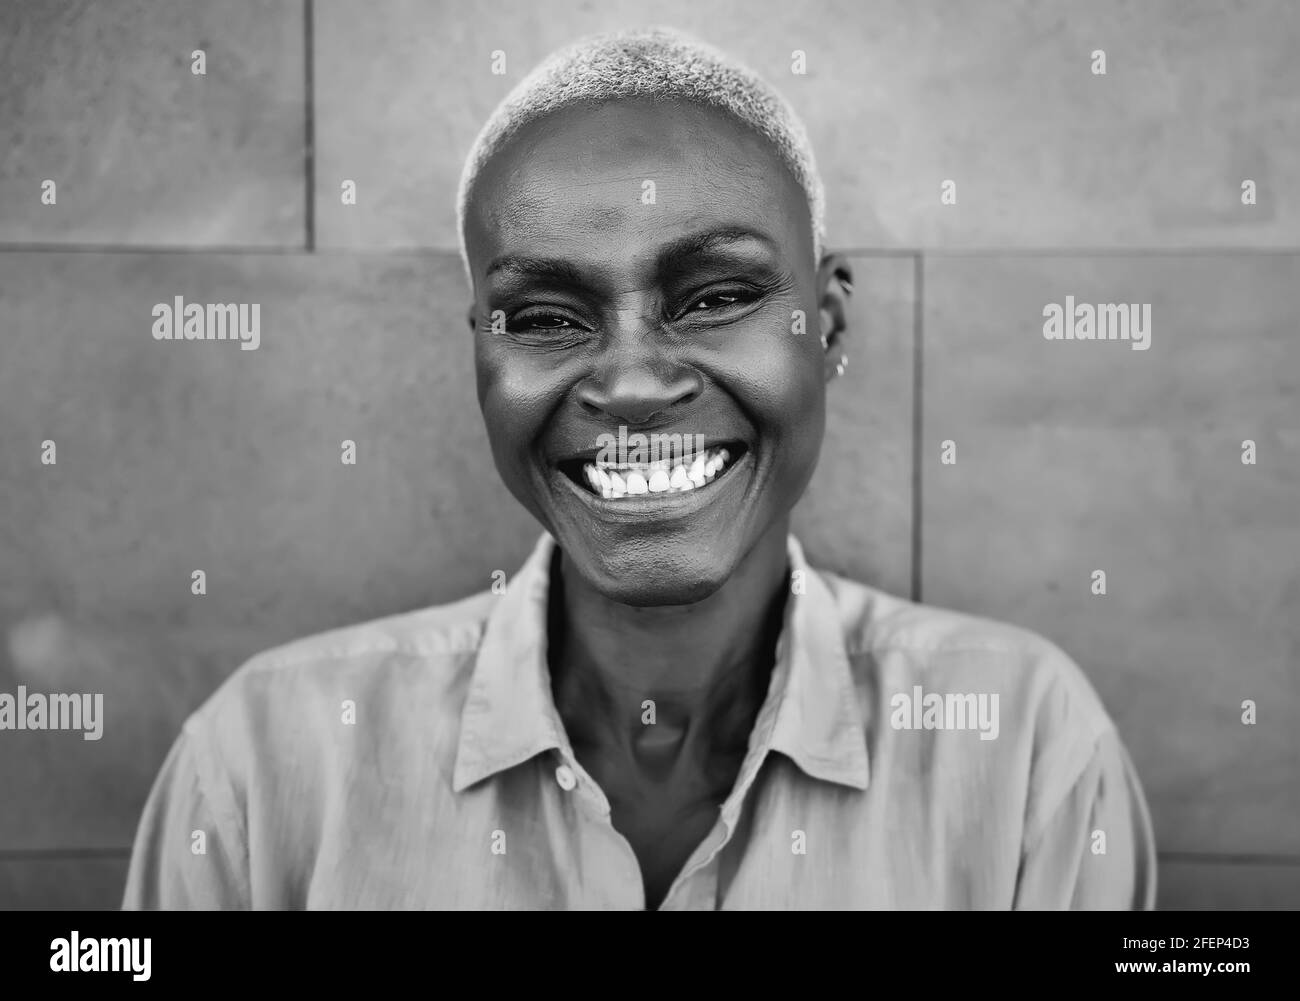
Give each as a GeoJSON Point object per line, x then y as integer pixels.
{"type": "Point", "coordinates": [1096, 850]}
{"type": "Point", "coordinates": [172, 867]}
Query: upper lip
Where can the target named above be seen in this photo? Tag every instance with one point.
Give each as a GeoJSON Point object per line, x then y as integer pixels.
{"type": "Point", "coordinates": [633, 509]}
{"type": "Point", "coordinates": [592, 454]}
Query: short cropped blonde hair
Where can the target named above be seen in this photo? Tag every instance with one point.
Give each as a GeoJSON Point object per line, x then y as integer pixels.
{"type": "Point", "coordinates": [649, 62]}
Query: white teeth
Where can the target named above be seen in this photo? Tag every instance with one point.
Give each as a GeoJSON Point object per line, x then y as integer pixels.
{"type": "Point", "coordinates": [629, 480]}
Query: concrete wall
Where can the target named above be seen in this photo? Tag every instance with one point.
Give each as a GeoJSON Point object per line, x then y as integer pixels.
{"type": "Point", "coordinates": [1072, 457]}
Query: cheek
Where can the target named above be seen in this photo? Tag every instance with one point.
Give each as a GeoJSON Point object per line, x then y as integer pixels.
{"type": "Point", "coordinates": [515, 396]}
{"type": "Point", "coordinates": [781, 376]}
{"type": "Point", "coordinates": [790, 395]}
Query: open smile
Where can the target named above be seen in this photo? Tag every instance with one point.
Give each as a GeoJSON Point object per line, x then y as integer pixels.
{"type": "Point", "coordinates": [614, 481]}
{"type": "Point", "coordinates": [653, 501]}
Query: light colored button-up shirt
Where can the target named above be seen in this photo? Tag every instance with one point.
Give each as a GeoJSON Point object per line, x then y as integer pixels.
{"type": "Point", "coordinates": [905, 757]}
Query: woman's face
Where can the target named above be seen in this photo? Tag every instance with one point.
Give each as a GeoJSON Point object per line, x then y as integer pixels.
{"type": "Point", "coordinates": [644, 264]}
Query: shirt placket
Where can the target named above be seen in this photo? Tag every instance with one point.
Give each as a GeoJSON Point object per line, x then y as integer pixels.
{"type": "Point", "coordinates": [696, 886]}
{"type": "Point", "coordinates": [618, 869]}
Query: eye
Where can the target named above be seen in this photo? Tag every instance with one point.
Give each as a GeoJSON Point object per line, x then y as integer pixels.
{"type": "Point", "coordinates": [547, 321]}
{"type": "Point", "coordinates": [540, 321]}
{"type": "Point", "coordinates": [719, 300]}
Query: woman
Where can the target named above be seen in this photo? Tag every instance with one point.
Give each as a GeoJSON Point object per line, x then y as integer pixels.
{"type": "Point", "coordinates": [667, 707]}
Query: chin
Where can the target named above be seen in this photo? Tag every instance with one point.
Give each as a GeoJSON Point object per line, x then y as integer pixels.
{"type": "Point", "coordinates": [654, 583]}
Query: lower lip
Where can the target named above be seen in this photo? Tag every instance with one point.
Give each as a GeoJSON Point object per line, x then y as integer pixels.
{"type": "Point", "coordinates": [644, 507]}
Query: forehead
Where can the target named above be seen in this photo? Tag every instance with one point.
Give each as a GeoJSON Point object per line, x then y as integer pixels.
{"type": "Point", "coordinates": [606, 186]}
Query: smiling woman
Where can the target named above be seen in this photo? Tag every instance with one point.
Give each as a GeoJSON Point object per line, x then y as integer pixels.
{"type": "Point", "coordinates": [673, 317]}
{"type": "Point", "coordinates": [668, 707]}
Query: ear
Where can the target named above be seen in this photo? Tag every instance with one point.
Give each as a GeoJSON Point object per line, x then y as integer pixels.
{"type": "Point", "coordinates": [834, 286]}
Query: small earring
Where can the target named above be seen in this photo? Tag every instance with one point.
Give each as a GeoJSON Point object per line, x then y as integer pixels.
{"type": "Point", "coordinates": [842, 364]}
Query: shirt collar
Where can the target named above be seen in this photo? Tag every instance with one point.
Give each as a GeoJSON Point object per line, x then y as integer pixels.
{"type": "Point", "coordinates": [811, 712]}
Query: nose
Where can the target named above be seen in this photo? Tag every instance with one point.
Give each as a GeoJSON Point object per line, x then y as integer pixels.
{"type": "Point", "coordinates": [635, 378]}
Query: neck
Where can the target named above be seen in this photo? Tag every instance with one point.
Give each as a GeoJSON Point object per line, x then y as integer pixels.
{"type": "Point", "coordinates": [704, 665]}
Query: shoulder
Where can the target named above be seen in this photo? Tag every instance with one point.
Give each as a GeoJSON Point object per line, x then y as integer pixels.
{"type": "Point", "coordinates": [379, 671]}
{"type": "Point", "coordinates": [1049, 709]}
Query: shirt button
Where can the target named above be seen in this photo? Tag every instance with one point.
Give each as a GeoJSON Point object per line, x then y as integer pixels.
{"type": "Point", "coordinates": [565, 777]}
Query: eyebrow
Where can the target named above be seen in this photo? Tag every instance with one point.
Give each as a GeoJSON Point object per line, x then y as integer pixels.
{"type": "Point", "coordinates": [537, 267]}
{"type": "Point", "coordinates": [699, 244]}
{"type": "Point", "coordinates": [667, 259]}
